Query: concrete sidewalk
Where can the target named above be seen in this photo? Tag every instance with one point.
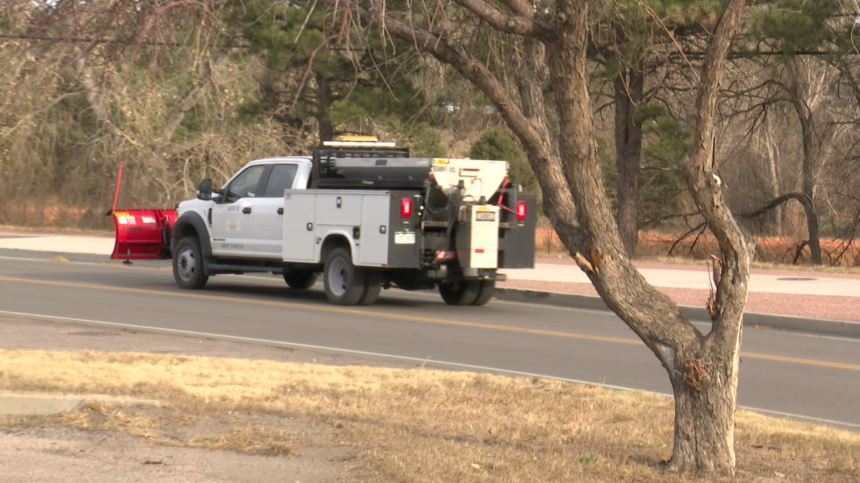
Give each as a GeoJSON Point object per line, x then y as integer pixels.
{"type": "Point", "coordinates": [785, 299]}
{"type": "Point", "coordinates": [690, 277]}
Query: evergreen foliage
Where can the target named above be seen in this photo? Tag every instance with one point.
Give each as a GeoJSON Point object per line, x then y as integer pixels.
{"type": "Point", "coordinates": [422, 140]}
{"type": "Point", "coordinates": [319, 72]}
{"type": "Point", "coordinates": [794, 26]}
{"type": "Point", "coordinates": [666, 143]}
{"type": "Point", "coordinates": [495, 144]}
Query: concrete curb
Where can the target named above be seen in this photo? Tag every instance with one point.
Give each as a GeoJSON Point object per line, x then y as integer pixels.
{"type": "Point", "coordinates": [837, 328]}
{"type": "Point", "coordinates": [30, 405]}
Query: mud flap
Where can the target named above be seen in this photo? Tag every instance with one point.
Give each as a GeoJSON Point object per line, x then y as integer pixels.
{"type": "Point", "coordinates": [142, 234]}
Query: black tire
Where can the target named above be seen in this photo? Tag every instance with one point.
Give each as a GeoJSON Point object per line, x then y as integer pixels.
{"type": "Point", "coordinates": [188, 270]}
{"type": "Point", "coordinates": [373, 285]}
{"type": "Point", "coordinates": [300, 279]}
{"type": "Point", "coordinates": [344, 282]}
{"type": "Point", "coordinates": [485, 292]}
{"type": "Point", "coordinates": [462, 292]}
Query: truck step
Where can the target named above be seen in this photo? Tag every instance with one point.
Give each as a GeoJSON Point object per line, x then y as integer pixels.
{"type": "Point", "coordinates": [239, 268]}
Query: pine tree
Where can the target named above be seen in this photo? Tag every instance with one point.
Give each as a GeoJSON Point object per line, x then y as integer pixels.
{"type": "Point", "coordinates": [314, 73]}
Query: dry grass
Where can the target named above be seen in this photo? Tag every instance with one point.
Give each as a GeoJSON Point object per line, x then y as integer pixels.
{"type": "Point", "coordinates": [415, 425]}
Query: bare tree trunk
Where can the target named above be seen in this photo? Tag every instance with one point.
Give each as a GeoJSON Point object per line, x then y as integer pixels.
{"type": "Point", "coordinates": [628, 151]}
{"type": "Point", "coordinates": [704, 384]}
{"type": "Point", "coordinates": [326, 129]}
{"type": "Point", "coordinates": [92, 93]}
{"type": "Point", "coordinates": [703, 369]}
{"type": "Point", "coordinates": [773, 176]}
{"type": "Point", "coordinates": [531, 76]}
{"type": "Point", "coordinates": [811, 156]}
{"type": "Point", "coordinates": [705, 405]}
{"type": "Point", "coordinates": [810, 170]}
{"type": "Point", "coordinates": [570, 177]}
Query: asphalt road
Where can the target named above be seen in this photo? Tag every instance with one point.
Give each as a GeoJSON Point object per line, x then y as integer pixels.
{"type": "Point", "coordinates": [783, 373]}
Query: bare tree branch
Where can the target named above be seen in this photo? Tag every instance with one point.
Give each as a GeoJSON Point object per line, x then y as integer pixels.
{"type": "Point", "coordinates": [528, 27]}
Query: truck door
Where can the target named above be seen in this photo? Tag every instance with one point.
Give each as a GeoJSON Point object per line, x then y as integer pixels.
{"type": "Point", "coordinates": [268, 214]}
{"type": "Point", "coordinates": [232, 230]}
{"type": "Point", "coordinates": [299, 231]}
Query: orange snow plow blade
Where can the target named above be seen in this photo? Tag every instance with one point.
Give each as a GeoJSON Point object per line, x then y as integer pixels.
{"type": "Point", "coordinates": [142, 234]}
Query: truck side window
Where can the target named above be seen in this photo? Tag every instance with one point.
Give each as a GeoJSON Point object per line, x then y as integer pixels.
{"type": "Point", "coordinates": [280, 179]}
{"type": "Point", "coordinates": [245, 184]}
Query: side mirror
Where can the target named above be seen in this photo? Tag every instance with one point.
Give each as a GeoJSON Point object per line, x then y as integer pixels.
{"type": "Point", "coordinates": [204, 189]}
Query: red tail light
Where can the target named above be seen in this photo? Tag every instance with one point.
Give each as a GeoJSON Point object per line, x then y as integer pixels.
{"type": "Point", "coordinates": [521, 210]}
{"type": "Point", "coordinates": [405, 207]}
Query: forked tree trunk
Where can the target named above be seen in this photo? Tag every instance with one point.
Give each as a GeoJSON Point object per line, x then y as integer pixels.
{"type": "Point", "coordinates": [628, 150]}
{"type": "Point", "coordinates": [704, 383]}
{"type": "Point", "coordinates": [703, 368]}
{"type": "Point", "coordinates": [811, 162]}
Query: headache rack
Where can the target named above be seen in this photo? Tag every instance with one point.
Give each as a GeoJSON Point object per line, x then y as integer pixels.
{"type": "Point", "coordinates": [364, 163]}
{"type": "Point", "coordinates": [361, 162]}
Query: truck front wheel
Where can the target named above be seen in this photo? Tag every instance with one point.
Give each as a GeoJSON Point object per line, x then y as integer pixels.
{"type": "Point", "coordinates": [344, 282]}
{"type": "Point", "coordinates": [188, 264]}
{"type": "Point", "coordinates": [300, 279]}
{"type": "Point", "coordinates": [462, 292]}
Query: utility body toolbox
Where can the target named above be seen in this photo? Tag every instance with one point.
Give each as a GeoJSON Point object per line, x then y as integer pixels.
{"type": "Point", "coordinates": [364, 214]}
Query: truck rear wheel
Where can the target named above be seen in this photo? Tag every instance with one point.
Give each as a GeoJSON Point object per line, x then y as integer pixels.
{"type": "Point", "coordinates": [463, 292]}
{"type": "Point", "coordinates": [373, 284]}
{"type": "Point", "coordinates": [188, 264]}
{"type": "Point", "coordinates": [485, 293]}
{"type": "Point", "coordinates": [345, 283]}
{"type": "Point", "coordinates": [300, 279]}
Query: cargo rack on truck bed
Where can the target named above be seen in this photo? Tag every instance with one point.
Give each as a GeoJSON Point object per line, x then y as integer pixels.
{"type": "Point", "coordinates": [360, 162]}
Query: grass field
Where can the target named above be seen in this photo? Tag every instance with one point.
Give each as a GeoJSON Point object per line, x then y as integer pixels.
{"type": "Point", "coordinates": [416, 425]}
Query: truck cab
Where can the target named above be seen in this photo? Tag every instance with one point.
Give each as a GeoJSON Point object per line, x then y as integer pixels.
{"type": "Point", "coordinates": [244, 218]}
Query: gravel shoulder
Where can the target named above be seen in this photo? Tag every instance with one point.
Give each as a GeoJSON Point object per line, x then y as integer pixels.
{"type": "Point", "coordinates": [84, 456]}
{"type": "Point", "coordinates": [32, 453]}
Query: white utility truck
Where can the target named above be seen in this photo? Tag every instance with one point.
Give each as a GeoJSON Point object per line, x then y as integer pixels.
{"type": "Point", "coordinates": [365, 215]}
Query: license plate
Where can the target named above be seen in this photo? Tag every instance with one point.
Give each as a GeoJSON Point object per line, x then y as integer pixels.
{"type": "Point", "coordinates": [485, 216]}
{"type": "Point", "coordinates": [404, 238]}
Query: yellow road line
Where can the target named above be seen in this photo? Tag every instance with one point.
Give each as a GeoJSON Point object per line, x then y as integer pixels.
{"type": "Point", "coordinates": [477, 325]}
{"type": "Point", "coordinates": [325, 308]}
{"type": "Point", "coordinates": [801, 361]}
